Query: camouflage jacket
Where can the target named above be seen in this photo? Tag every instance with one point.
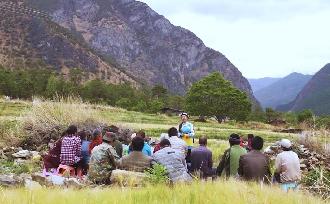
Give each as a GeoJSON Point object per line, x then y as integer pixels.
{"type": "Point", "coordinates": [102, 162]}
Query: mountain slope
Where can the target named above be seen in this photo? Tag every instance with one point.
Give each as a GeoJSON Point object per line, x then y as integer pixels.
{"type": "Point", "coordinates": [315, 95]}
{"type": "Point", "coordinates": [28, 39]}
{"type": "Point", "coordinates": [282, 91]}
{"type": "Point", "coordinates": [145, 43]}
{"type": "Point", "coordinates": [257, 84]}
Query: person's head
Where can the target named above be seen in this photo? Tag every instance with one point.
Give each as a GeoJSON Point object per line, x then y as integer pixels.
{"type": "Point", "coordinates": [250, 136]}
{"type": "Point", "coordinates": [137, 144]}
{"type": "Point", "coordinates": [184, 117]}
{"type": "Point", "coordinates": [257, 143]}
{"type": "Point", "coordinates": [286, 145]}
{"type": "Point", "coordinates": [164, 143]}
{"type": "Point", "coordinates": [82, 135]}
{"type": "Point", "coordinates": [109, 137]}
{"type": "Point", "coordinates": [202, 141]}
{"type": "Point", "coordinates": [234, 139]}
{"type": "Point", "coordinates": [141, 134]}
{"type": "Point", "coordinates": [172, 132]}
{"type": "Point", "coordinates": [72, 130]}
{"type": "Point", "coordinates": [96, 133]}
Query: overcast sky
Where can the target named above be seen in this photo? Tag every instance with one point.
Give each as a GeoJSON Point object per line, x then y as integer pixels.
{"type": "Point", "coordinates": [260, 37]}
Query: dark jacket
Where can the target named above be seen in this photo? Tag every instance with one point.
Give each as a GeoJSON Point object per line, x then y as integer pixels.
{"type": "Point", "coordinates": [201, 160]}
{"type": "Point", "coordinates": [254, 166]}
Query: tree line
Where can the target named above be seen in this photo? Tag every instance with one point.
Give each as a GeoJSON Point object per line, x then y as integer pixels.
{"type": "Point", "coordinates": [212, 96]}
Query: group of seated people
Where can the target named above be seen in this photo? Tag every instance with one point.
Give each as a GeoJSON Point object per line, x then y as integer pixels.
{"type": "Point", "coordinates": [104, 153]}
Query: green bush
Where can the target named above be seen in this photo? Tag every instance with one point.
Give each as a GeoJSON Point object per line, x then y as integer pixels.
{"type": "Point", "coordinates": [157, 174]}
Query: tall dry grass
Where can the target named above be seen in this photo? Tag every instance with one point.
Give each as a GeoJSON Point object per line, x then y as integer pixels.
{"type": "Point", "coordinates": [231, 192]}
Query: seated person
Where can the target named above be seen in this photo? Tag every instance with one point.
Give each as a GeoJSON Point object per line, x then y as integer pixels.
{"type": "Point", "coordinates": [173, 161]}
{"type": "Point", "coordinates": [103, 160]}
{"type": "Point", "coordinates": [201, 160]}
{"type": "Point", "coordinates": [136, 160]}
{"type": "Point", "coordinates": [71, 150]}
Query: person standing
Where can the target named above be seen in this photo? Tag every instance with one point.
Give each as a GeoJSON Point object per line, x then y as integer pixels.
{"type": "Point", "coordinates": [230, 159]}
{"type": "Point", "coordinates": [201, 160]}
{"type": "Point", "coordinates": [287, 167]}
{"type": "Point", "coordinates": [255, 166]}
{"type": "Point", "coordinates": [103, 160]}
{"type": "Point", "coordinates": [187, 133]}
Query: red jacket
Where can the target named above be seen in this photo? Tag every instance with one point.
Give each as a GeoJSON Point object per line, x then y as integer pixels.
{"type": "Point", "coordinates": [94, 143]}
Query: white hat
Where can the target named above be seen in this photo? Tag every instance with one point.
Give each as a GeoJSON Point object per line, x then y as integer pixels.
{"type": "Point", "coordinates": [285, 143]}
{"type": "Point", "coordinates": [133, 135]}
{"type": "Point", "coordinates": [163, 136]}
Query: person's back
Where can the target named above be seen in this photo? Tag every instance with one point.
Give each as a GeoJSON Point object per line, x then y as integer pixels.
{"type": "Point", "coordinates": [173, 161]}
{"type": "Point", "coordinates": [254, 166]}
{"type": "Point", "coordinates": [201, 159]}
{"type": "Point", "coordinates": [177, 143]}
{"type": "Point", "coordinates": [289, 166]}
{"type": "Point", "coordinates": [102, 161]}
{"type": "Point", "coordinates": [85, 151]}
{"type": "Point", "coordinates": [70, 150]}
{"type": "Point", "coordinates": [136, 160]}
{"type": "Point", "coordinates": [230, 160]}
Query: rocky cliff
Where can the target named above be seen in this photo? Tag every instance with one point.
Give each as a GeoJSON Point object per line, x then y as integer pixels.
{"type": "Point", "coordinates": [28, 39]}
{"type": "Point", "coordinates": [145, 43]}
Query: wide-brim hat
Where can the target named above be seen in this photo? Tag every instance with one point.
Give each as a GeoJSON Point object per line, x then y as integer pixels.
{"type": "Point", "coordinates": [184, 114]}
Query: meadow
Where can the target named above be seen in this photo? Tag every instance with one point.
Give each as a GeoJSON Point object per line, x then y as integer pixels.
{"type": "Point", "coordinates": [40, 115]}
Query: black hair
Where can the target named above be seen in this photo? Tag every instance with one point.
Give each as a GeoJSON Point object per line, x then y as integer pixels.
{"type": "Point", "coordinates": [72, 129]}
{"type": "Point", "coordinates": [203, 141]}
{"type": "Point", "coordinates": [82, 135]}
{"type": "Point", "coordinates": [257, 143]}
{"type": "Point", "coordinates": [164, 142]}
{"type": "Point", "coordinates": [286, 149]}
{"type": "Point", "coordinates": [141, 133]}
{"type": "Point", "coordinates": [137, 144]}
{"type": "Point", "coordinates": [250, 136]}
{"type": "Point", "coordinates": [172, 132]}
{"type": "Point", "coordinates": [234, 139]}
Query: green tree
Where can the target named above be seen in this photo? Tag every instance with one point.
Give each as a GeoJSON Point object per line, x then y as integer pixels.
{"type": "Point", "coordinates": [155, 106]}
{"type": "Point", "coordinates": [305, 116]}
{"type": "Point", "coordinates": [271, 114]}
{"type": "Point", "coordinates": [159, 92]}
{"type": "Point", "coordinates": [215, 96]}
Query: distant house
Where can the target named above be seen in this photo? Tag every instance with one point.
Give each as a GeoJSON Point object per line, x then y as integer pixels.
{"type": "Point", "coordinates": [277, 122]}
{"type": "Point", "coordinates": [171, 111]}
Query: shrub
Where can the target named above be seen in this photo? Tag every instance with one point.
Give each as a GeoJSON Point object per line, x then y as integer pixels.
{"type": "Point", "coordinates": [157, 174]}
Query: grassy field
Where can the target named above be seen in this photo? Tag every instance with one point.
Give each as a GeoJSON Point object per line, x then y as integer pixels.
{"type": "Point", "coordinates": [231, 192]}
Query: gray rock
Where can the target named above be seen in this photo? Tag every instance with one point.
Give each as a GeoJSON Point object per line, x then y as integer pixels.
{"type": "Point", "coordinates": [22, 154]}
{"type": "Point", "coordinates": [9, 181]}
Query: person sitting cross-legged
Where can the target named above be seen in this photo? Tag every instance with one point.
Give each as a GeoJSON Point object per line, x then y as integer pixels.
{"type": "Point", "coordinates": [136, 160]}
{"type": "Point", "coordinates": [103, 160]}
{"type": "Point", "coordinates": [201, 160]}
{"type": "Point", "coordinates": [255, 166]}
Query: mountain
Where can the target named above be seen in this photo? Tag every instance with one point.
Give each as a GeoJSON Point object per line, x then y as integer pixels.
{"type": "Point", "coordinates": [315, 95]}
{"type": "Point", "coordinates": [257, 84]}
{"type": "Point", "coordinates": [282, 91]}
{"type": "Point", "coordinates": [143, 42]}
{"type": "Point", "coordinates": [28, 39]}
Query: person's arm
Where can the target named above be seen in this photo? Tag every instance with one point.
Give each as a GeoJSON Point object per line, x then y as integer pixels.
{"type": "Point", "coordinates": [240, 167]}
{"type": "Point", "coordinates": [78, 148]}
{"type": "Point", "coordinates": [278, 164]}
{"type": "Point", "coordinates": [210, 161]}
{"type": "Point", "coordinates": [223, 162]}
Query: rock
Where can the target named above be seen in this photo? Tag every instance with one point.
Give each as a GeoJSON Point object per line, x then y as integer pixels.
{"type": "Point", "coordinates": [9, 181]}
{"type": "Point", "coordinates": [303, 166]}
{"type": "Point", "coordinates": [73, 182]}
{"type": "Point", "coordinates": [31, 185]}
{"type": "Point", "coordinates": [22, 154]}
{"type": "Point", "coordinates": [20, 161]}
{"type": "Point", "coordinates": [127, 178]}
{"type": "Point", "coordinates": [56, 180]}
{"type": "Point", "coordinates": [40, 178]}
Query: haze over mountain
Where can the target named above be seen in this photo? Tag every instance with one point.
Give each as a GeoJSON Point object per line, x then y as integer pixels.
{"type": "Point", "coordinates": [257, 84]}
{"type": "Point", "coordinates": [315, 95]}
{"type": "Point", "coordinates": [143, 42]}
{"type": "Point", "coordinates": [282, 91]}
